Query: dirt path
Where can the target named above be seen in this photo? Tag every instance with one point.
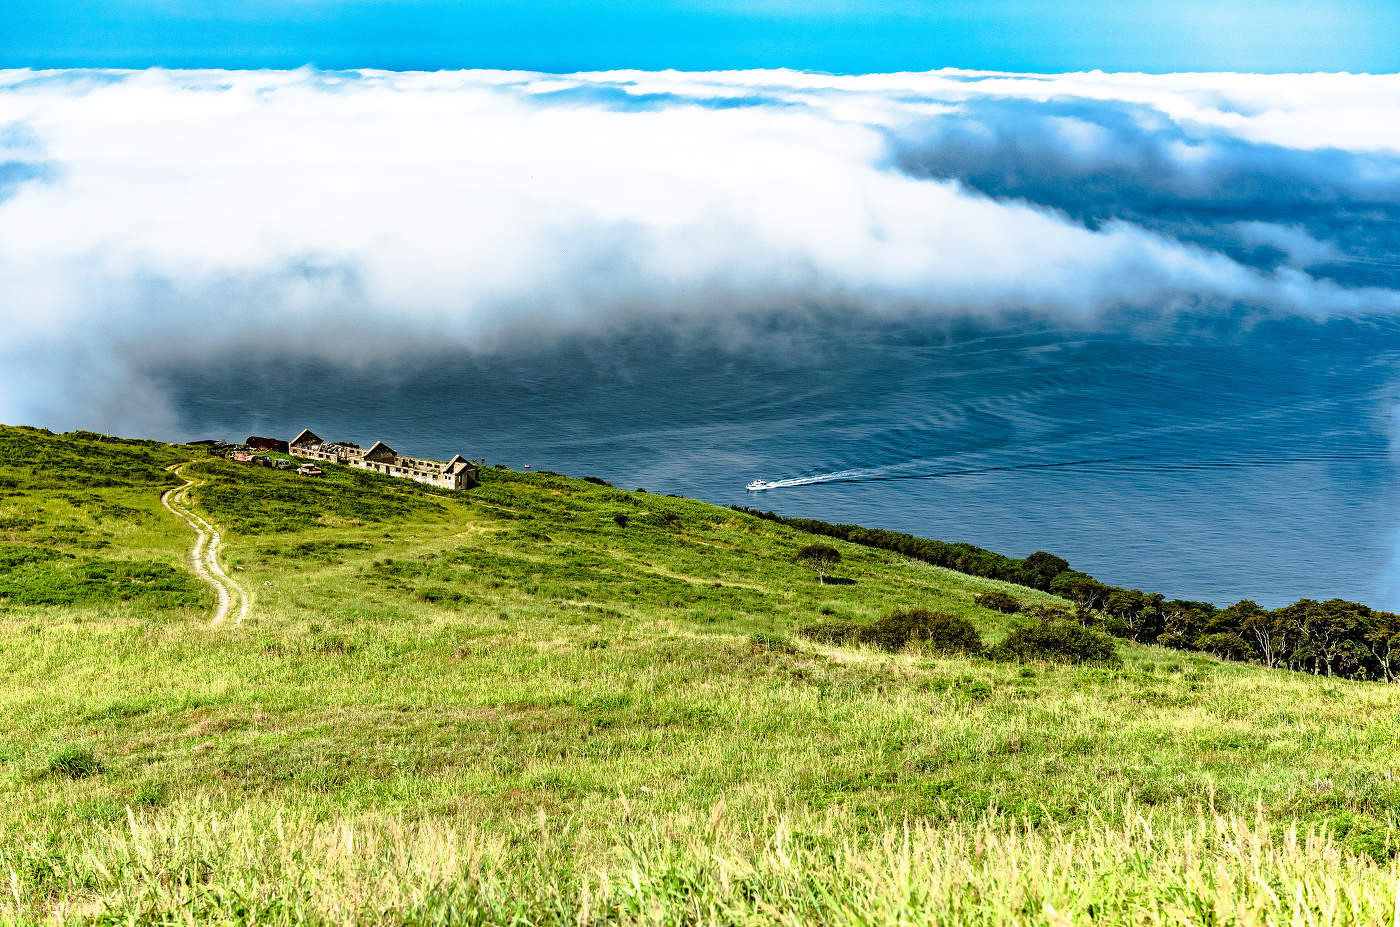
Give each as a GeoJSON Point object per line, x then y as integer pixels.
{"type": "Point", "coordinates": [205, 554]}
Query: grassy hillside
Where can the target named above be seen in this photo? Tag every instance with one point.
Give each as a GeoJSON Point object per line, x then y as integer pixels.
{"type": "Point", "coordinates": [513, 705]}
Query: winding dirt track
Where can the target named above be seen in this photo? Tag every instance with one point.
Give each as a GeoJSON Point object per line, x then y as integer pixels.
{"type": "Point", "coordinates": [205, 554]}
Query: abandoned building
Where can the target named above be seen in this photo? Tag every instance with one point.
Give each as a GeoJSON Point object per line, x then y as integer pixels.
{"type": "Point", "coordinates": [267, 444]}
{"type": "Point", "coordinates": [308, 444]}
{"type": "Point", "coordinates": [457, 473]}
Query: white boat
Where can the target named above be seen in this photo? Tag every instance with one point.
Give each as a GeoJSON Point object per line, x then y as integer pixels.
{"type": "Point", "coordinates": [757, 485]}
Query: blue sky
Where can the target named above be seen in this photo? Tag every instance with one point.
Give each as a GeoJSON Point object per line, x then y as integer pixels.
{"type": "Point", "coordinates": [830, 35]}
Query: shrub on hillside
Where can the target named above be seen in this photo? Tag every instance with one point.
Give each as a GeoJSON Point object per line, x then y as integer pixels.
{"type": "Point", "coordinates": [14, 556]}
{"type": "Point", "coordinates": [775, 643]}
{"type": "Point", "coordinates": [946, 632]}
{"type": "Point", "coordinates": [1058, 641]}
{"type": "Point", "coordinates": [74, 762]}
{"type": "Point", "coordinates": [1366, 835]}
{"type": "Point", "coordinates": [442, 595]}
{"type": "Point", "coordinates": [84, 458]}
{"type": "Point", "coordinates": [999, 601]}
{"type": "Point", "coordinates": [1042, 612]}
{"type": "Point", "coordinates": [43, 576]}
{"type": "Point", "coordinates": [1037, 571]}
{"type": "Point", "coordinates": [938, 631]}
{"type": "Point", "coordinates": [1174, 639]}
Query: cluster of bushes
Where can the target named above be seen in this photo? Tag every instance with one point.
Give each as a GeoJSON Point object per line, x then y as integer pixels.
{"type": "Point", "coordinates": [39, 459]}
{"type": "Point", "coordinates": [326, 551]}
{"type": "Point", "coordinates": [1057, 639]}
{"type": "Point", "coordinates": [938, 631]}
{"type": "Point", "coordinates": [31, 575]}
{"type": "Point", "coordinates": [999, 601]}
{"type": "Point", "coordinates": [1333, 638]}
{"type": "Point", "coordinates": [1035, 571]}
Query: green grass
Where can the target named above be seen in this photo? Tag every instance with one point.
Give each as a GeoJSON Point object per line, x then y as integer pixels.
{"type": "Point", "coordinates": [32, 575]}
{"type": "Point", "coordinates": [504, 705]}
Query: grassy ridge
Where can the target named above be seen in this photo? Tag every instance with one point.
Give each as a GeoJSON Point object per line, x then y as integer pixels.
{"type": "Point", "coordinates": [505, 689]}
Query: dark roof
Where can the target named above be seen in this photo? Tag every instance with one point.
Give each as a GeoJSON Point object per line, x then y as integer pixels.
{"type": "Point", "coordinates": [307, 436]}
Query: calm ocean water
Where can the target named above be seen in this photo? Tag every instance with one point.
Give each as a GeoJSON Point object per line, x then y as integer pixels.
{"type": "Point", "coordinates": [1211, 460]}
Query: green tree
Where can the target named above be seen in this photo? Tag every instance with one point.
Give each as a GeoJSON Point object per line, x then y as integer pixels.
{"type": "Point", "coordinates": [1271, 633]}
{"type": "Point", "coordinates": [819, 557]}
{"type": "Point", "coordinates": [1383, 642]}
{"type": "Point", "coordinates": [1043, 567]}
{"type": "Point", "coordinates": [1181, 623]}
{"type": "Point", "coordinates": [1226, 644]}
{"type": "Point", "coordinates": [1139, 615]}
{"type": "Point", "coordinates": [1081, 589]}
{"type": "Point", "coordinates": [1333, 634]}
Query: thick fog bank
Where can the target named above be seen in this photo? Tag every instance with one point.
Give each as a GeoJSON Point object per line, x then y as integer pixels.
{"type": "Point", "coordinates": [160, 218]}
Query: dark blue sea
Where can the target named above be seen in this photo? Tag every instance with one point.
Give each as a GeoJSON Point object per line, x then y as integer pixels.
{"type": "Point", "coordinates": [1213, 458]}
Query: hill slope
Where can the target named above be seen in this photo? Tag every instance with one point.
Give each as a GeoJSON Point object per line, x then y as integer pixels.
{"type": "Point", "coordinates": [513, 703]}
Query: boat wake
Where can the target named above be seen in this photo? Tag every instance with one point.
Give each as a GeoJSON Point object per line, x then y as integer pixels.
{"type": "Point", "coordinates": [840, 476]}
{"type": "Point", "coordinates": [1135, 463]}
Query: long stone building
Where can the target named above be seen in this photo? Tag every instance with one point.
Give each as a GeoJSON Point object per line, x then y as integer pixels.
{"type": "Point", "coordinates": [457, 473]}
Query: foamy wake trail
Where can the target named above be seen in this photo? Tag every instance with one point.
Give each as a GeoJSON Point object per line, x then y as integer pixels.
{"type": "Point", "coordinates": [840, 476]}
{"type": "Point", "coordinates": [1130, 463]}
{"type": "Point", "coordinates": [919, 470]}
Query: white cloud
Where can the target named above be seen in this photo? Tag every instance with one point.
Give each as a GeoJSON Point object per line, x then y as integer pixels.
{"type": "Point", "coordinates": [186, 212]}
{"type": "Point", "coordinates": [1300, 248]}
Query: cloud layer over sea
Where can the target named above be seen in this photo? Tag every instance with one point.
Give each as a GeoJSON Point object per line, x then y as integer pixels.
{"type": "Point", "coordinates": [159, 218]}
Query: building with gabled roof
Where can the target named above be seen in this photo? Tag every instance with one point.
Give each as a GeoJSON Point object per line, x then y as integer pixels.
{"type": "Point", "coordinates": [307, 438]}
{"type": "Point", "coordinates": [381, 452]}
{"type": "Point", "coordinates": [457, 473]}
